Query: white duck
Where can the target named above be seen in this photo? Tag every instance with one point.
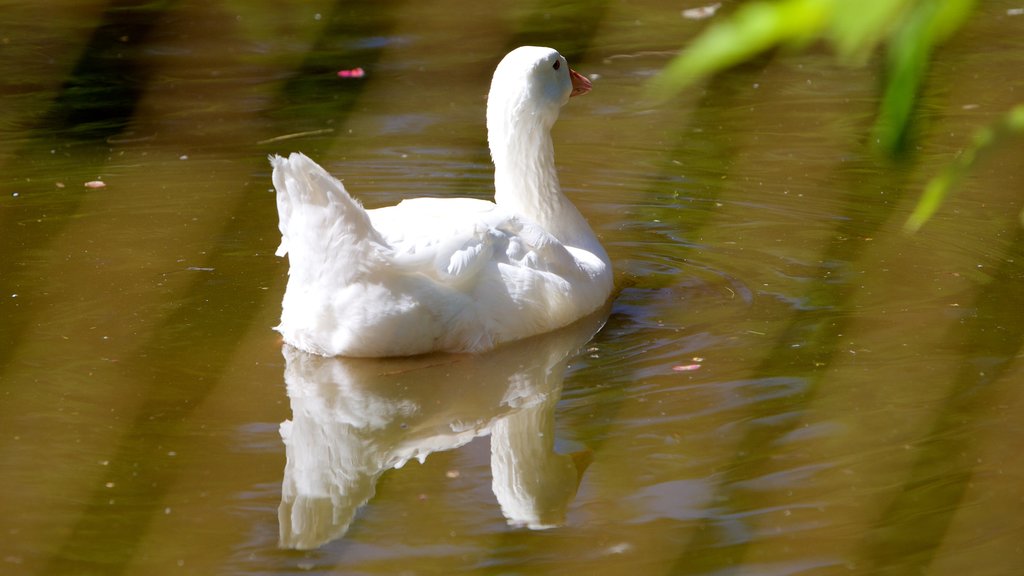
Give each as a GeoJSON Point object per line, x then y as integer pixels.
{"type": "Point", "coordinates": [457, 274]}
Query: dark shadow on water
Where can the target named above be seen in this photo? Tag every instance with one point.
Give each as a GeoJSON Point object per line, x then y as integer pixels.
{"type": "Point", "coordinates": [568, 27]}
{"type": "Point", "coordinates": [353, 36]}
{"type": "Point", "coordinates": [697, 148]}
{"type": "Point", "coordinates": [96, 102]}
{"type": "Point", "coordinates": [705, 153]}
{"type": "Point", "coordinates": [802, 353]}
{"type": "Point", "coordinates": [206, 329]}
{"type": "Point", "coordinates": [912, 528]}
{"type": "Point", "coordinates": [98, 99]}
{"type": "Point", "coordinates": [909, 532]}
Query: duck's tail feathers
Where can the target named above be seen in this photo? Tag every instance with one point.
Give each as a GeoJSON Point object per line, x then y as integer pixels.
{"type": "Point", "coordinates": [318, 218]}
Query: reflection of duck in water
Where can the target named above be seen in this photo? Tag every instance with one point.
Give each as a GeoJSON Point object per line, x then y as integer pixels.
{"type": "Point", "coordinates": [533, 483]}
{"type": "Point", "coordinates": [353, 419]}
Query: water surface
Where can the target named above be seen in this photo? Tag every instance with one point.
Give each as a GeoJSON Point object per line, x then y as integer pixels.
{"type": "Point", "coordinates": [785, 383]}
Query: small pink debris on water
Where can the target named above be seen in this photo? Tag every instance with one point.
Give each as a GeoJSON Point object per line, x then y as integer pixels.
{"type": "Point", "coordinates": [96, 184]}
{"type": "Point", "coordinates": [352, 73]}
{"type": "Point", "coordinates": [686, 367]}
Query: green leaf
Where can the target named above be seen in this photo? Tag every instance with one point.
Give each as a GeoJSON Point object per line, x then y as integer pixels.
{"type": "Point", "coordinates": [939, 187]}
{"type": "Point", "coordinates": [857, 28]}
{"type": "Point", "coordinates": [929, 24]}
{"type": "Point", "coordinates": [754, 28]}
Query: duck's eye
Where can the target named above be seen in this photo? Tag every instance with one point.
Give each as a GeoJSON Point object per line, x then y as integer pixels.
{"type": "Point", "coordinates": [557, 64]}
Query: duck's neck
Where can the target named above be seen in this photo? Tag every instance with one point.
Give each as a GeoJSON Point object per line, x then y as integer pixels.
{"type": "Point", "coordinates": [526, 182]}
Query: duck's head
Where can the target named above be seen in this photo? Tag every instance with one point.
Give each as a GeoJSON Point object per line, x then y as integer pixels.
{"type": "Point", "coordinates": [531, 83]}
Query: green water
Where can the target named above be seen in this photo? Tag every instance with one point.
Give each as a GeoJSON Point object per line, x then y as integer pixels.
{"type": "Point", "coordinates": [786, 383]}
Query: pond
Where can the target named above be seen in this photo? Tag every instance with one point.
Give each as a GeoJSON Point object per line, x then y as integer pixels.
{"type": "Point", "coordinates": [784, 383]}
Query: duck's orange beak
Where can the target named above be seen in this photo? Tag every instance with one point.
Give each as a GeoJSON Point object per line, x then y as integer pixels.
{"type": "Point", "coordinates": [580, 84]}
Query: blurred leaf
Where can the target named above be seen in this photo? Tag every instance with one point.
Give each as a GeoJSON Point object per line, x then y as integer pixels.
{"type": "Point", "coordinates": [939, 187]}
{"type": "Point", "coordinates": [930, 23]}
{"type": "Point", "coordinates": [857, 28]}
{"type": "Point", "coordinates": [911, 29]}
{"type": "Point", "coordinates": [752, 29]}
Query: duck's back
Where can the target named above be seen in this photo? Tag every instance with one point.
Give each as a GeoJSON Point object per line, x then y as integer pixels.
{"type": "Point", "coordinates": [429, 274]}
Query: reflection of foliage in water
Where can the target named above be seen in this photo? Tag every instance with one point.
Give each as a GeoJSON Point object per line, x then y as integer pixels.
{"type": "Point", "coordinates": [909, 30]}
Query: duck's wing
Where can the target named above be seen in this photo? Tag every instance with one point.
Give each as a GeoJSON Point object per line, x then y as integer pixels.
{"type": "Point", "coordinates": [447, 239]}
{"type": "Point", "coordinates": [453, 239]}
{"type": "Point", "coordinates": [531, 246]}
